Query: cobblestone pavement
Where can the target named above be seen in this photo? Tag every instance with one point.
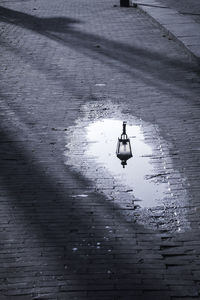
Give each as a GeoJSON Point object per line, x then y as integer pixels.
{"type": "Point", "coordinates": [60, 61]}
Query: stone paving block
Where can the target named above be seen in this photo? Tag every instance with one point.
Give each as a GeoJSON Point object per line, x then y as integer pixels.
{"type": "Point", "coordinates": [195, 49]}
{"type": "Point", "coordinates": [173, 18]}
{"type": "Point", "coordinates": [186, 292]}
{"type": "Point", "coordinates": [170, 20]}
{"type": "Point", "coordinates": [184, 30]}
{"type": "Point", "coordinates": [157, 295]}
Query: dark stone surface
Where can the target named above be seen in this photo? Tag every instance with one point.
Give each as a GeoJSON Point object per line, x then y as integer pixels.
{"type": "Point", "coordinates": [53, 53]}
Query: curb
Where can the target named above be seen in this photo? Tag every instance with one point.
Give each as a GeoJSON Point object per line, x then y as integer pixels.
{"type": "Point", "coordinates": [178, 27]}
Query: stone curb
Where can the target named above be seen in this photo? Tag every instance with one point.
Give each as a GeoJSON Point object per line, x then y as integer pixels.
{"type": "Point", "coordinates": [180, 28]}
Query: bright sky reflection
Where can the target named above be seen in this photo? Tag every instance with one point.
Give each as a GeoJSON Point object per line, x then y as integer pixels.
{"type": "Point", "coordinates": [102, 137]}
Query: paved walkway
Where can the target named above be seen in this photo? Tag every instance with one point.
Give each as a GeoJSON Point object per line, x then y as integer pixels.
{"type": "Point", "coordinates": [61, 61]}
{"type": "Point", "coordinates": [188, 8]}
{"type": "Point", "coordinates": [179, 19]}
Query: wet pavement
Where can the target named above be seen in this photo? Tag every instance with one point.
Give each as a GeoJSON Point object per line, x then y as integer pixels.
{"type": "Point", "coordinates": [74, 223]}
{"type": "Point", "coordinates": [145, 182]}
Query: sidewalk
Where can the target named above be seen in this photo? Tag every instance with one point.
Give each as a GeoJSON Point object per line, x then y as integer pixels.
{"type": "Point", "coordinates": [188, 8]}
{"type": "Point", "coordinates": [179, 19]}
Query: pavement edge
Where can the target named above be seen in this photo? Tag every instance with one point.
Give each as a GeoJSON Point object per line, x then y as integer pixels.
{"type": "Point", "coordinates": [178, 27]}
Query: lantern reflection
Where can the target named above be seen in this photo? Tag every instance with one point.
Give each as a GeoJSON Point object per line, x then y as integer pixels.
{"type": "Point", "coordinates": [124, 147]}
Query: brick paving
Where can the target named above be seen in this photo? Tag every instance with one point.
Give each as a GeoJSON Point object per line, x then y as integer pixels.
{"type": "Point", "coordinates": [54, 245]}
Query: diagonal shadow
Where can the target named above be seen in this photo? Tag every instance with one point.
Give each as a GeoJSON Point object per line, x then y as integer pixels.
{"type": "Point", "coordinates": [58, 222]}
{"type": "Point", "coordinates": [189, 13]}
{"type": "Point", "coordinates": [34, 23]}
{"type": "Point", "coordinates": [49, 204]}
{"type": "Point", "coordinates": [151, 67]}
{"type": "Point", "coordinates": [50, 213]}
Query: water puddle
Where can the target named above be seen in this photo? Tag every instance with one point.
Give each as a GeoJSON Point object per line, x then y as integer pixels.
{"type": "Point", "coordinates": [102, 137]}
{"type": "Point", "coordinates": [81, 196]}
{"type": "Point", "coordinates": [148, 189]}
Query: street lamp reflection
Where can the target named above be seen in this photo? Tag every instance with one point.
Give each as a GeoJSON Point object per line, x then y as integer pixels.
{"type": "Point", "coordinates": [124, 147]}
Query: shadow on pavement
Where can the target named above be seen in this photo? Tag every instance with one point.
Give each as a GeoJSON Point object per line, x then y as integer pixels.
{"type": "Point", "coordinates": [34, 23]}
{"type": "Point", "coordinates": [53, 237]}
{"type": "Point", "coordinates": [151, 67]}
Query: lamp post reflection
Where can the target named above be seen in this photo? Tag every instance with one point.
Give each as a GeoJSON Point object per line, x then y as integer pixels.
{"type": "Point", "coordinates": [124, 147]}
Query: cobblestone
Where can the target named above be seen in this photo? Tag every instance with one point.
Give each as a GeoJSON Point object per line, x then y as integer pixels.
{"type": "Point", "coordinates": [63, 61]}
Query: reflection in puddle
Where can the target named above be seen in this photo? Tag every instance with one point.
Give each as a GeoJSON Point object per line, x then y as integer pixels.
{"type": "Point", "coordinates": [123, 150]}
{"type": "Point", "coordinates": [102, 137]}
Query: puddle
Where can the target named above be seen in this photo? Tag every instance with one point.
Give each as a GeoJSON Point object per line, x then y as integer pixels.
{"type": "Point", "coordinates": [81, 196]}
{"type": "Point", "coordinates": [102, 137]}
{"type": "Point", "coordinates": [148, 190]}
